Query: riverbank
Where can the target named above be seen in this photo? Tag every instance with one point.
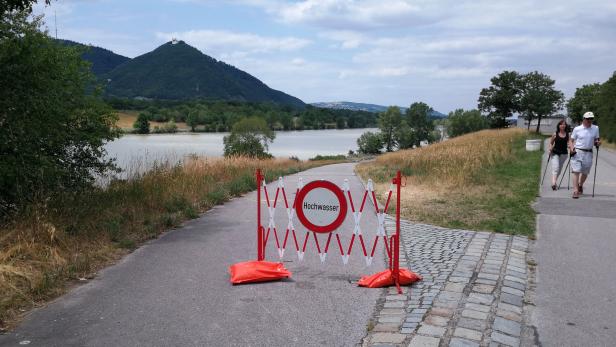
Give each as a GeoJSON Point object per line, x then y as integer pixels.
{"type": "Point", "coordinates": [69, 238]}
{"type": "Point", "coordinates": [479, 181]}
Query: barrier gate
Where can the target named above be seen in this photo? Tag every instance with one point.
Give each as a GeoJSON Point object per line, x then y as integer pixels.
{"type": "Point", "coordinates": [319, 212]}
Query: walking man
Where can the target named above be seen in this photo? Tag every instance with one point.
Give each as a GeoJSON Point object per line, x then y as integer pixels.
{"type": "Point", "coordinates": [582, 140]}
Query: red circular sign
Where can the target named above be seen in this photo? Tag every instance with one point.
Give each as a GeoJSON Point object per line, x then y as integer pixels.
{"type": "Point", "coordinates": [321, 206]}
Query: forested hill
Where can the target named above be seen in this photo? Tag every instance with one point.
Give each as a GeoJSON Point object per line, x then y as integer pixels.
{"type": "Point", "coordinates": [103, 60]}
{"type": "Point", "coordinates": [346, 105]}
{"type": "Point", "coordinates": [178, 71]}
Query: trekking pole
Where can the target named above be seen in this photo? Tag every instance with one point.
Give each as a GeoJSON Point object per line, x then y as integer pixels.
{"type": "Point", "coordinates": [546, 168]}
{"type": "Point", "coordinates": [595, 178]}
{"type": "Point", "coordinates": [568, 179]}
{"type": "Point", "coordinates": [561, 179]}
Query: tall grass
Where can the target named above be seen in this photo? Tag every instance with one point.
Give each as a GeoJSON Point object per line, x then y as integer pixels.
{"type": "Point", "coordinates": [74, 234]}
{"type": "Point", "coordinates": [483, 181]}
{"type": "Point", "coordinates": [454, 162]}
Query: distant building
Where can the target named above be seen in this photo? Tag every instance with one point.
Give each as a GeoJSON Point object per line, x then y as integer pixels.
{"type": "Point", "coordinates": [548, 124]}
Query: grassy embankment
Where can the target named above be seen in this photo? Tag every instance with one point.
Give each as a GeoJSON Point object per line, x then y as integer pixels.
{"type": "Point", "coordinates": [480, 181]}
{"type": "Point", "coordinates": [126, 119]}
{"type": "Point", "coordinates": [46, 249]}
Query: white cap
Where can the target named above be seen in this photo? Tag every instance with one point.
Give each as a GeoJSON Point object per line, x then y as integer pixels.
{"type": "Point", "coordinates": [589, 115]}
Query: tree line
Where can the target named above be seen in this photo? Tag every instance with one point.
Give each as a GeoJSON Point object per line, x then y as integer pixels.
{"type": "Point", "coordinates": [532, 96]}
{"type": "Point", "coordinates": [220, 116]}
{"type": "Point", "coordinates": [399, 131]}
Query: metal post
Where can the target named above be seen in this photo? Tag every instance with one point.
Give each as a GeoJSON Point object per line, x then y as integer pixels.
{"type": "Point", "coordinates": [546, 168]}
{"type": "Point", "coordinates": [563, 176]}
{"type": "Point", "coordinates": [260, 250]}
{"type": "Point", "coordinates": [396, 251]}
{"type": "Point", "coordinates": [595, 178]}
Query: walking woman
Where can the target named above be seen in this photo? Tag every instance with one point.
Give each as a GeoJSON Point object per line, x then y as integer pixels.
{"type": "Point", "coordinates": [558, 149]}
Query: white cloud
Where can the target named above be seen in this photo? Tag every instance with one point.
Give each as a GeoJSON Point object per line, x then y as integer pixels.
{"type": "Point", "coordinates": [348, 39]}
{"type": "Point", "coordinates": [350, 14]}
{"type": "Point", "coordinates": [390, 71]}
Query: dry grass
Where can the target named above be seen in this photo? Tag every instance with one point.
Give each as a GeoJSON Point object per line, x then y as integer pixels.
{"type": "Point", "coordinates": [126, 119]}
{"type": "Point", "coordinates": [480, 181]}
{"type": "Point", "coordinates": [72, 236]}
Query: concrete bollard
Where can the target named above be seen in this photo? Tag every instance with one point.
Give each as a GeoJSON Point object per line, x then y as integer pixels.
{"type": "Point", "coordinates": [533, 145]}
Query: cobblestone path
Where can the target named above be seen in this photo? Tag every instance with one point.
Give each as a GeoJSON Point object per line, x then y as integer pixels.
{"type": "Point", "coordinates": [475, 291]}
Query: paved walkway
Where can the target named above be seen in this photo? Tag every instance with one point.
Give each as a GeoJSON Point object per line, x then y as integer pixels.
{"type": "Point", "coordinates": [479, 288]}
{"type": "Point", "coordinates": [175, 291]}
{"type": "Point", "coordinates": [576, 253]}
{"type": "Point", "coordinates": [473, 292]}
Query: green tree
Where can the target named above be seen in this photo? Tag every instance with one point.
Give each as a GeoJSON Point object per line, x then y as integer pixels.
{"type": "Point", "coordinates": [51, 132]}
{"type": "Point", "coordinates": [538, 97]}
{"type": "Point", "coordinates": [501, 99]}
{"type": "Point", "coordinates": [584, 100]}
{"type": "Point", "coordinates": [192, 120]}
{"type": "Point", "coordinates": [463, 122]}
{"type": "Point", "coordinates": [606, 109]}
{"type": "Point", "coordinates": [370, 143]}
{"type": "Point", "coordinates": [249, 137]}
{"type": "Point", "coordinates": [389, 121]}
{"type": "Point", "coordinates": [142, 124]}
{"type": "Point", "coordinates": [418, 118]}
{"type": "Point", "coordinates": [340, 123]}
{"type": "Point", "coordinates": [17, 5]}
{"type": "Point", "coordinates": [405, 135]}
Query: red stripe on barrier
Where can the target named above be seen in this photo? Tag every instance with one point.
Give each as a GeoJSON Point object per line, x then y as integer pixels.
{"type": "Point", "coordinates": [386, 247]}
{"type": "Point", "coordinates": [329, 238]}
{"type": "Point", "coordinates": [276, 238]}
{"type": "Point", "coordinates": [295, 239]}
{"type": "Point", "coordinates": [266, 195]}
{"type": "Point", "coordinates": [316, 240]}
{"type": "Point", "coordinates": [340, 244]}
{"type": "Point", "coordinates": [266, 237]}
{"type": "Point", "coordinates": [363, 245]}
{"type": "Point", "coordinates": [284, 196]}
{"type": "Point", "coordinates": [363, 201]}
{"type": "Point", "coordinates": [376, 205]}
{"type": "Point", "coordinates": [286, 236]}
{"type": "Point", "coordinates": [376, 240]}
{"type": "Point", "coordinates": [305, 242]}
{"type": "Point", "coordinates": [387, 203]}
{"type": "Point", "coordinates": [351, 245]}
{"type": "Point", "coordinates": [351, 201]}
{"type": "Point", "coordinates": [276, 197]}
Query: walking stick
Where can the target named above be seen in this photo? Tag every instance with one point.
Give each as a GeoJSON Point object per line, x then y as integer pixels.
{"type": "Point", "coordinates": [595, 178]}
{"type": "Point", "coordinates": [561, 179]}
{"type": "Point", "coordinates": [546, 168]}
{"type": "Point", "coordinates": [568, 178]}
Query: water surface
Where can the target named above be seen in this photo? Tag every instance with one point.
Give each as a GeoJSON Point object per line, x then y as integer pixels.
{"type": "Point", "coordinates": [136, 152]}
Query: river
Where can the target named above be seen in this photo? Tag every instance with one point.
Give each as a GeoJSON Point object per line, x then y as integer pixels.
{"type": "Point", "coordinates": [138, 152]}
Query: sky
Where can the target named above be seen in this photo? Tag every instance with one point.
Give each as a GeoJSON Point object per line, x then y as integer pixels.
{"type": "Point", "coordinates": [386, 52]}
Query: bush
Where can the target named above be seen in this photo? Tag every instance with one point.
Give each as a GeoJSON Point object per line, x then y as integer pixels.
{"type": "Point", "coordinates": [168, 128]}
{"type": "Point", "coordinates": [328, 157]}
{"type": "Point", "coordinates": [370, 143]}
{"type": "Point", "coordinates": [51, 132]}
{"type": "Point", "coordinates": [249, 137]}
{"type": "Point", "coordinates": [462, 122]}
{"type": "Point", "coordinates": [142, 124]}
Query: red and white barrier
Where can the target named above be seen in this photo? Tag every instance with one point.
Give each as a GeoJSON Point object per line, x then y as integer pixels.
{"type": "Point", "coordinates": [321, 207]}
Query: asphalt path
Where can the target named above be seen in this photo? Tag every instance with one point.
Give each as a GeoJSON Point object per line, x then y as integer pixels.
{"type": "Point", "coordinates": [175, 290]}
{"type": "Point", "coordinates": [576, 253]}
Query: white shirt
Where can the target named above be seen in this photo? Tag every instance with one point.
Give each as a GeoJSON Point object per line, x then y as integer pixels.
{"type": "Point", "coordinates": [585, 137]}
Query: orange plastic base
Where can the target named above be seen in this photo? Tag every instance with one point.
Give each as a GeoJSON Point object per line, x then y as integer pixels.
{"type": "Point", "coordinates": [385, 279]}
{"type": "Point", "coordinates": [257, 271]}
